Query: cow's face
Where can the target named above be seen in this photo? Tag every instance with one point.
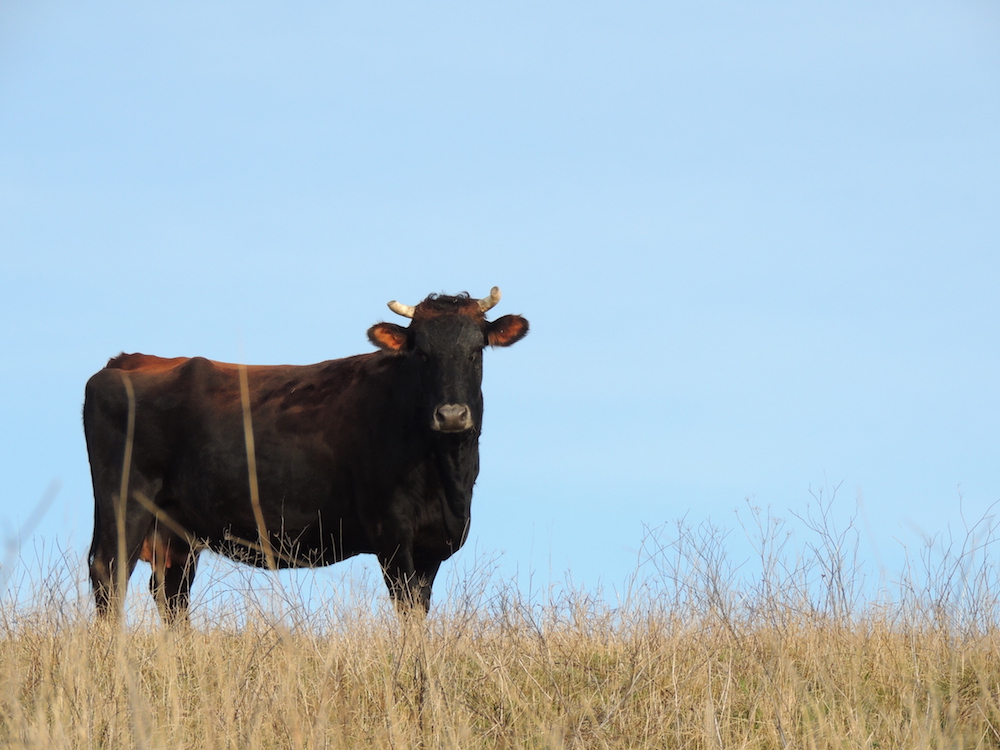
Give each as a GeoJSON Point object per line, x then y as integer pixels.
{"type": "Point", "coordinates": [445, 351]}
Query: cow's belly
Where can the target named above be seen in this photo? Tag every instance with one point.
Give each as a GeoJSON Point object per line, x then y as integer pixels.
{"type": "Point", "coordinates": [292, 548]}
{"type": "Point", "coordinates": [309, 518]}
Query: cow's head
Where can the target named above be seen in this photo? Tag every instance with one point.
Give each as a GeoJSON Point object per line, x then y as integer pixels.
{"type": "Point", "coordinates": [444, 344]}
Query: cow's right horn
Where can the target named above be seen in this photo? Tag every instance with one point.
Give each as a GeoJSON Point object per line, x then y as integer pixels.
{"type": "Point", "coordinates": [400, 309]}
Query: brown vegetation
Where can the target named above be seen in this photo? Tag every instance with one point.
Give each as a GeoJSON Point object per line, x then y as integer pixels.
{"type": "Point", "coordinates": [694, 653]}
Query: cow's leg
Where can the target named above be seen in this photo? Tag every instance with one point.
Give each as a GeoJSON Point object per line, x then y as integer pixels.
{"type": "Point", "coordinates": [110, 538]}
{"type": "Point", "coordinates": [426, 571]}
{"type": "Point", "coordinates": [119, 527]}
{"type": "Point", "coordinates": [174, 565]}
{"type": "Point", "coordinates": [104, 576]}
{"type": "Point", "coordinates": [399, 573]}
{"type": "Point", "coordinates": [409, 583]}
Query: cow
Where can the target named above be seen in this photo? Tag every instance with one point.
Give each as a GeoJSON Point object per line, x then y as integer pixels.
{"type": "Point", "coordinates": [293, 466]}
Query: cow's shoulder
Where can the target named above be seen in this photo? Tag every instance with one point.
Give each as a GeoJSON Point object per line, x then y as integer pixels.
{"type": "Point", "coordinates": [144, 362]}
{"type": "Point", "coordinates": [158, 379]}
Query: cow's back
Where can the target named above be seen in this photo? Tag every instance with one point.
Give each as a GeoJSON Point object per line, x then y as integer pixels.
{"type": "Point", "coordinates": [315, 429]}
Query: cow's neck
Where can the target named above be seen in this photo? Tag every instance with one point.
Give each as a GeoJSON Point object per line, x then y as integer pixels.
{"type": "Point", "coordinates": [458, 466]}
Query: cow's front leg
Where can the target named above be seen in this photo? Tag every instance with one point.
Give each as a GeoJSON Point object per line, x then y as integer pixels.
{"type": "Point", "coordinates": [420, 590]}
{"type": "Point", "coordinates": [409, 583]}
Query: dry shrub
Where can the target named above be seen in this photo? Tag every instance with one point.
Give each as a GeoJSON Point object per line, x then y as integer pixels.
{"type": "Point", "coordinates": [791, 650]}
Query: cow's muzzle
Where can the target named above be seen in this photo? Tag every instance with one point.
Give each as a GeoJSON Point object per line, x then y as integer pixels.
{"type": "Point", "coordinates": [452, 418]}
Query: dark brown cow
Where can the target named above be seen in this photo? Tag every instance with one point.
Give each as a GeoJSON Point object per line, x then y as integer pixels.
{"type": "Point", "coordinates": [290, 466]}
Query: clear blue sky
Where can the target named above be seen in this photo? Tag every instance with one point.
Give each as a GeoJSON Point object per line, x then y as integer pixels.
{"type": "Point", "coordinates": [758, 243]}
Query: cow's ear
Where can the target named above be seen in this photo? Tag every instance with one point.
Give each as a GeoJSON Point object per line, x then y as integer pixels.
{"type": "Point", "coordinates": [388, 337]}
{"type": "Point", "coordinates": [506, 330]}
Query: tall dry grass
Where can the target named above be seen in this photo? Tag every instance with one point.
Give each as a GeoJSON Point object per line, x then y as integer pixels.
{"type": "Point", "coordinates": [794, 649]}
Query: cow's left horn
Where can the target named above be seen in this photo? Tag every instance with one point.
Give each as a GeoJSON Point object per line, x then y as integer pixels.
{"type": "Point", "coordinates": [400, 309]}
{"type": "Point", "coordinates": [487, 302]}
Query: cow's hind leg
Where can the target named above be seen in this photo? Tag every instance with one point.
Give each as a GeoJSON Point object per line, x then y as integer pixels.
{"type": "Point", "coordinates": [119, 527]}
{"type": "Point", "coordinates": [104, 578]}
{"type": "Point", "coordinates": [174, 565]}
{"type": "Point", "coordinates": [112, 537]}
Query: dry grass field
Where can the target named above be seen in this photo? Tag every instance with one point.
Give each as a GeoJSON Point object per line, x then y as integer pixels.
{"type": "Point", "coordinates": [694, 652]}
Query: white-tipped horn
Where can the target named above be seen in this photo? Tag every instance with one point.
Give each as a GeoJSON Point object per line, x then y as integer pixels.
{"type": "Point", "coordinates": [400, 309]}
{"type": "Point", "coordinates": [487, 302]}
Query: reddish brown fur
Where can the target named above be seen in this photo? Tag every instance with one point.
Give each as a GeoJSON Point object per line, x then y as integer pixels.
{"type": "Point", "coordinates": [152, 364]}
{"type": "Point", "coordinates": [434, 306]}
{"type": "Point", "coordinates": [506, 330]}
{"type": "Point", "coordinates": [144, 362]}
{"type": "Point", "coordinates": [388, 336]}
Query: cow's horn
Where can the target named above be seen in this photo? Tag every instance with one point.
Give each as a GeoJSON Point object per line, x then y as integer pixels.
{"type": "Point", "coordinates": [487, 302]}
{"type": "Point", "coordinates": [400, 309]}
